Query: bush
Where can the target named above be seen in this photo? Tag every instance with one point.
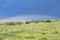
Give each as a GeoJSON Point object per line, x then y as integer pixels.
{"type": "Point", "coordinates": [56, 31]}
{"type": "Point", "coordinates": [48, 20]}
{"type": "Point", "coordinates": [10, 23]}
{"type": "Point", "coordinates": [19, 23]}
{"type": "Point", "coordinates": [27, 22]}
{"type": "Point", "coordinates": [35, 21]}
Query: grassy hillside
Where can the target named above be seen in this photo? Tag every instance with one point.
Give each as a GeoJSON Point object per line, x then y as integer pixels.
{"type": "Point", "coordinates": [32, 31]}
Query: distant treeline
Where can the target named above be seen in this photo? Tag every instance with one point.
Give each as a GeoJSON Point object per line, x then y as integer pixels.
{"type": "Point", "coordinates": [28, 22]}
{"type": "Point", "coordinates": [37, 21]}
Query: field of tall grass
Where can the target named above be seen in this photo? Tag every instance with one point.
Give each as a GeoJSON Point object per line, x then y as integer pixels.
{"type": "Point", "coordinates": [32, 31]}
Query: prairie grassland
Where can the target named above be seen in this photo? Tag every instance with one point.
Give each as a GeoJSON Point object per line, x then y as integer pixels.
{"type": "Point", "coordinates": [32, 31]}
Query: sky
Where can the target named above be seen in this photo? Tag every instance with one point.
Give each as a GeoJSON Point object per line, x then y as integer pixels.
{"type": "Point", "coordinates": [10, 8]}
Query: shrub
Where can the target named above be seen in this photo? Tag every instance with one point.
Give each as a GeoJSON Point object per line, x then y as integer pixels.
{"type": "Point", "coordinates": [48, 20]}
{"type": "Point", "coordinates": [56, 31]}
{"type": "Point", "coordinates": [10, 23]}
{"type": "Point", "coordinates": [27, 22]}
{"type": "Point", "coordinates": [35, 21]}
{"type": "Point", "coordinates": [19, 23]}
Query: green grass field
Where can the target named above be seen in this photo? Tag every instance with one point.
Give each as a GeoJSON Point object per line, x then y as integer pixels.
{"type": "Point", "coordinates": [32, 31]}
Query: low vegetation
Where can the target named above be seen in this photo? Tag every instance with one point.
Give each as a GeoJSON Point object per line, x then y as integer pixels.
{"type": "Point", "coordinates": [31, 30]}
